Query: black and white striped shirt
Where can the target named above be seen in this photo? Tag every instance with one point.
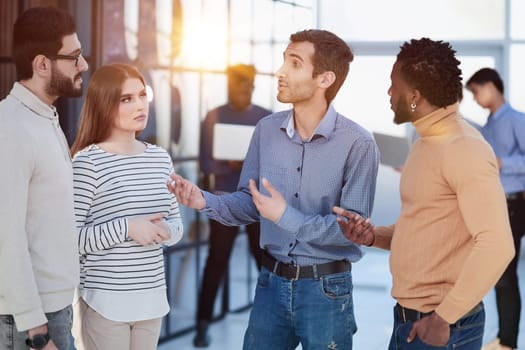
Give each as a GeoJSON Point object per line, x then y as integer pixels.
{"type": "Point", "coordinates": [118, 273]}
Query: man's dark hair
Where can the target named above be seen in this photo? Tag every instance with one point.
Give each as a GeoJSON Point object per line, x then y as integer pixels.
{"type": "Point", "coordinates": [39, 31]}
{"type": "Point", "coordinates": [486, 75]}
{"type": "Point", "coordinates": [241, 71]}
{"type": "Point", "coordinates": [432, 68]}
{"type": "Point", "coordinates": [331, 54]}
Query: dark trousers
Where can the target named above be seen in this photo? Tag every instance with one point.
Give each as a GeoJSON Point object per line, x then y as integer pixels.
{"type": "Point", "coordinates": [508, 298]}
{"type": "Point", "coordinates": [219, 250]}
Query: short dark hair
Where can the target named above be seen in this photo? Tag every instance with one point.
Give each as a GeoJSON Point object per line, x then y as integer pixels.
{"type": "Point", "coordinates": [486, 75]}
{"type": "Point", "coordinates": [331, 54]}
{"type": "Point", "coordinates": [432, 68]}
{"type": "Point", "coordinates": [241, 71]}
{"type": "Point", "coordinates": [39, 31]}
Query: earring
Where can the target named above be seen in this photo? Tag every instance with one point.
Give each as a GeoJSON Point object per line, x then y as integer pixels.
{"type": "Point", "coordinates": [413, 107]}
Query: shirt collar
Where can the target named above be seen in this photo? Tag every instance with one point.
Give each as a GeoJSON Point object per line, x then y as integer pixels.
{"type": "Point", "coordinates": [325, 127]}
{"type": "Point", "coordinates": [31, 101]}
{"type": "Point", "coordinates": [501, 111]}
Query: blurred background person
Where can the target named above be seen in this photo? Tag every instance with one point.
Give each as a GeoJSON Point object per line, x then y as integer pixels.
{"type": "Point", "coordinates": [505, 131]}
{"type": "Point", "coordinates": [221, 176]}
{"type": "Point", "coordinates": [124, 214]}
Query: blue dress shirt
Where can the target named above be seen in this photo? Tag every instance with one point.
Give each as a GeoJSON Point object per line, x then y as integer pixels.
{"type": "Point", "coordinates": [505, 132]}
{"type": "Point", "coordinates": [336, 166]}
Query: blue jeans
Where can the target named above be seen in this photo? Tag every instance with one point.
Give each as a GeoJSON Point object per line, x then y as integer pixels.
{"type": "Point", "coordinates": [465, 334]}
{"type": "Point", "coordinates": [58, 324]}
{"type": "Point", "coordinates": [318, 313]}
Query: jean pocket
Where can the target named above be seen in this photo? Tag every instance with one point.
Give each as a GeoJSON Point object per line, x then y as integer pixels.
{"type": "Point", "coordinates": [402, 332]}
{"type": "Point", "coordinates": [417, 343]}
{"type": "Point", "coordinates": [59, 326]}
{"type": "Point", "coordinates": [337, 285]}
{"type": "Point", "coordinates": [62, 318]}
{"type": "Point", "coordinates": [467, 333]}
{"type": "Point", "coordinates": [264, 278]}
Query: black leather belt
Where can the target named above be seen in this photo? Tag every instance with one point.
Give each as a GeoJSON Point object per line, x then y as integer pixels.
{"type": "Point", "coordinates": [295, 272]}
{"type": "Point", "coordinates": [406, 314]}
{"type": "Point", "coordinates": [515, 196]}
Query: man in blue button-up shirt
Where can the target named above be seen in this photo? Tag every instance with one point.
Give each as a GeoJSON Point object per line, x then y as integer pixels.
{"type": "Point", "coordinates": [300, 164]}
{"type": "Point", "coordinates": [505, 131]}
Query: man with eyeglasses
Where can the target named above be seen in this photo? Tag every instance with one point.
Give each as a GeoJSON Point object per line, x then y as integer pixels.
{"type": "Point", "coordinates": [38, 252]}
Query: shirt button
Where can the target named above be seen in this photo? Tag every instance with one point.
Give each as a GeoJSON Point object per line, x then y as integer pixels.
{"type": "Point", "coordinates": [298, 168]}
{"type": "Point", "coordinates": [296, 195]}
{"type": "Point", "coordinates": [290, 245]}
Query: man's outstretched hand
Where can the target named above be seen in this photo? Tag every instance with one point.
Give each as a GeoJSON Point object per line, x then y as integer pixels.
{"type": "Point", "coordinates": [355, 228]}
{"type": "Point", "coordinates": [187, 192]}
{"type": "Point", "coordinates": [270, 207]}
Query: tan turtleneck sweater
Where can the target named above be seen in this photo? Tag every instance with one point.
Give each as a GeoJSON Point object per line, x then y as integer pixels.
{"type": "Point", "coordinates": [452, 240]}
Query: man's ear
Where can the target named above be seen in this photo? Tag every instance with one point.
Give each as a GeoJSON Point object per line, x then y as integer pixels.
{"type": "Point", "coordinates": [415, 97]}
{"type": "Point", "coordinates": [41, 66]}
{"type": "Point", "coordinates": [491, 86]}
{"type": "Point", "coordinates": [326, 79]}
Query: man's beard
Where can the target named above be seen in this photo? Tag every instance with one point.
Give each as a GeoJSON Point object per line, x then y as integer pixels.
{"type": "Point", "coordinates": [401, 113]}
{"type": "Point", "coordinates": [62, 86]}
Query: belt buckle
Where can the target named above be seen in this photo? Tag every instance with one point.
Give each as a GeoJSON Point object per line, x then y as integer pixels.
{"type": "Point", "coordinates": [297, 272]}
{"type": "Point", "coordinates": [275, 267]}
{"type": "Point", "coordinates": [403, 313]}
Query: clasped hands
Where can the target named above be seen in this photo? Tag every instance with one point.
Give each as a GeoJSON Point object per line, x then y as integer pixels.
{"type": "Point", "coordinates": [148, 229]}
{"type": "Point", "coordinates": [270, 206]}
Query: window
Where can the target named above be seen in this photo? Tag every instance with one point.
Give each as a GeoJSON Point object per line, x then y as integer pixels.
{"type": "Point", "coordinates": [516, 82]}
{"type": "Point", "coordinates": [382, 20]}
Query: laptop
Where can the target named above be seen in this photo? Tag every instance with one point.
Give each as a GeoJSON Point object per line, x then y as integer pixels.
{"type": "Point", "coordinates": [394, 149]}
{"type": "Point", "coordinates": [231, 141]}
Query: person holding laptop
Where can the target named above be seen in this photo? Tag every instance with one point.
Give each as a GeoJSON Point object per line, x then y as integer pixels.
{"type": "Point", "coordinates": [220, 176]}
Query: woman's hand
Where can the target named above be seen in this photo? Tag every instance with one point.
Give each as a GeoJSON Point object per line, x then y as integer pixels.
{"type": "Point", "coordinates": [146, 230]}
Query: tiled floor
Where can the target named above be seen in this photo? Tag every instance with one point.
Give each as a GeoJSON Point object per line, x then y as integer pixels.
{"type": "Point", "coordinates": [373, 306]}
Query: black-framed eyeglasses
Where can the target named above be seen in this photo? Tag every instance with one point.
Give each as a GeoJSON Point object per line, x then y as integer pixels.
{"type": "Point", "coordinates": [75, 57]}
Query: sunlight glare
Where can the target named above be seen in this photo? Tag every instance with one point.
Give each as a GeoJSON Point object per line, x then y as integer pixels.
{"type": "Point", "coordinates": [205, 45]}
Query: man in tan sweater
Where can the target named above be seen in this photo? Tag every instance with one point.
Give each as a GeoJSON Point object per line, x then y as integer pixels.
{"type": "Point", "coordinates": [452, 240]}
